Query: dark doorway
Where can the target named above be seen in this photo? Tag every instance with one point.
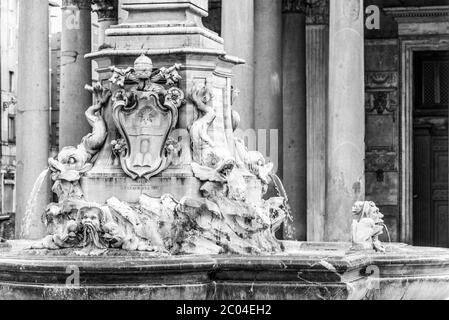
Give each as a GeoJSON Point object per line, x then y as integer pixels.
{"type": "Point", "coordinates": [430, 115]}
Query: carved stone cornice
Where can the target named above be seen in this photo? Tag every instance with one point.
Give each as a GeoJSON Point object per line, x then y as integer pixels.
{"type": "Point", "coordinates": [420, 20]}
{"type": "Point", "coordinates": [80, 4]}
{"type": "Point", "coordinates": [105, 9]}
{"type": "Point", "coordinates": [418, 12]}
{"type": "Point", "coordinates": [294, 6]}
{"type": "Point", "coordinates": [317, 12]}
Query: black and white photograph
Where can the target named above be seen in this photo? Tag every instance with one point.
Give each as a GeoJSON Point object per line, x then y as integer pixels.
{"type": "Point", "coordinates": [224, 155]}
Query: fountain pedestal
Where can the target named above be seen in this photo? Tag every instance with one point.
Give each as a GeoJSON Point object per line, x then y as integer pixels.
{"type": "Point", "coordinates": [169, 32]}
{"type": "Point", "coordinates": [162, 169]}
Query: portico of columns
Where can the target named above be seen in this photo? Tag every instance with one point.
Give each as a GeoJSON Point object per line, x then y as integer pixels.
{"type": "Point", "coordinates": [322, 153]}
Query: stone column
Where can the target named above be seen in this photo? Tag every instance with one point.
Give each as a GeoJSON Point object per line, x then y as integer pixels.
{"type": "Point", "coordinates": [317, 99]}
{"type": "Point", "coordinates": [268, 74]}
{"type": "Point", "coordinates": [346, 118]}
{"type": "Point", "coordinates": [294, 101]}
{"type": "Point", "coordinates": [107, 11]}
{"type": "Point", "coordinates": [33, 120]}
{"type": "Point", "coordinates": [76, 71]}
{"type": "Point", "coordinates": [238, 34]}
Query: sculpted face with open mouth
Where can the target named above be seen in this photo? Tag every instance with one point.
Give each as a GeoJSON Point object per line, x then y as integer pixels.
{"type": "Point", "coordinates": [91, 222]}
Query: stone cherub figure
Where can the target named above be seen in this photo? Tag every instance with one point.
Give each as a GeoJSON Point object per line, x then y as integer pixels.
{"type": "Point", "coordinates": [367, 226]}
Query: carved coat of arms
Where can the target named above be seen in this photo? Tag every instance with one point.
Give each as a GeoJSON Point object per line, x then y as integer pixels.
{"type": "Point", "coordinates": [145, 115]}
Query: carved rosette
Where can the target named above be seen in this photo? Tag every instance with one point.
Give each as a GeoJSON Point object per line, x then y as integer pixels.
{"type": "Point", "coordinates": [294, 6]}
{"type": "Point", "coordinates": [105, 9]}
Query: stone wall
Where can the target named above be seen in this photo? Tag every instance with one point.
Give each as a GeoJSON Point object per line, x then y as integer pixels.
{"type": "Point", "coordinates": [382, 129]}
{"type": "Point", "coordinates": [382, 164]}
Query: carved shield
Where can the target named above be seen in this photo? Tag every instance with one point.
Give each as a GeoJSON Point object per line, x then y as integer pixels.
{"type": "Point", "coordinates": [145, 124]}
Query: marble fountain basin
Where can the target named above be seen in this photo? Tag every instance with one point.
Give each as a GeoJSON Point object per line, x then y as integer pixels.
{"type": "Point", "coordinates": [306, 271]}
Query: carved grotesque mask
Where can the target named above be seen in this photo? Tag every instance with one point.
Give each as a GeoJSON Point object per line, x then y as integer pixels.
{"type": "Point", "coordinates": [91, 217]}
{"type": "Point", "coordinates": [367, 224]}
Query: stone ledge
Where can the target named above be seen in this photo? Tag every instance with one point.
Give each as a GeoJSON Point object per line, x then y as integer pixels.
{"type": "Point", "coordinates": [139, 30]}
{"type": "Point", "coordinates": [160, 52]}
{"type": "Point", "coordinates": [4, 246]}
{"type": "Point", "coordinates": [404, 271]}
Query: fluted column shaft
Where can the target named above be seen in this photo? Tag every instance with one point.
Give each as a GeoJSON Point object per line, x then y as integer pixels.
{"type": "Point", "coordinates": [294, 113]}
{"type": "Point", "coordinates": [317, 99]}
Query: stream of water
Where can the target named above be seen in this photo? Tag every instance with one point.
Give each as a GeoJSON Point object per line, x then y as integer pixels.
{"type": "Point", "coordinates": [32, 203]}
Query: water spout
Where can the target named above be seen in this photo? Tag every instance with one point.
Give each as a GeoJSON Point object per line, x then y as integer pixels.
{"type": "Point", "coordinates": [31, 204]}
{"type": "Point", "coordinates": [388, 232]}
{"type": "Point", "coordinates": [279, 186]}
{"type": "Point", "coordinates": [289, 230]}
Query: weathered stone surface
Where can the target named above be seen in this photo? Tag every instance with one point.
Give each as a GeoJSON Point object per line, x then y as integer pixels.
{"type": "Point", "coordinates": [345, 119]}
{"type": "Point", "coordinates": [381, 131]}
{"type": "Point", "coordinates": [313, 271]}
{"type": "Point", "coordinates": [385, 191]}
{"type": "Point", "coordinates": [32, 113]}
{"type": "Point", "coordinates": [76, 71]}
{"type": "Point", "coordinates": [382, 116]}
{"type": "Point", "coordinates": [239, 41]}
{"type": "Point", "coordinates": [294, 113]}
{"type": "Point", "coordinates": [317, 100]}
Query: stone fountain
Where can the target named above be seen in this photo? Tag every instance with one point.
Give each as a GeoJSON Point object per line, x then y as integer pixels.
{"type": "Point", "coordinates": [163, 201]}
